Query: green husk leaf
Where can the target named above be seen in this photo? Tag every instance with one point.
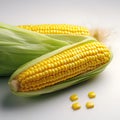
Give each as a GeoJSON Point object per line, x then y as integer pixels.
{"type": "Point", "coordinates": [60, 85]}
{"type": "Point", "coordinates": [18, 46]}
{"type": "Point", "coordinates": [69, 38]}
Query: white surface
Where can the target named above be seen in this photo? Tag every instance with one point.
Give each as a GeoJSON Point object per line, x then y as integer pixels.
{"type": "Point", "coordinates": [57, 106]}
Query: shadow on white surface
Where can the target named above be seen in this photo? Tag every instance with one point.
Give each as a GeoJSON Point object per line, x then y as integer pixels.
{"type": "Point", "coordinates": [10, 101]}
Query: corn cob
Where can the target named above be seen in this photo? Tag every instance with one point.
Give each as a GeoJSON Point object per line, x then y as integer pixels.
{"type": "Point", "coordinates": [60, 68]}
{"type": "Point", "coordinates": [57, 29]}
{"type": "Point", "coordinates": [18, 46]}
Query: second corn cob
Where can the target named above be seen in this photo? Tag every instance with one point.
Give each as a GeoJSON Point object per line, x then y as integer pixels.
{"type": "Point", "coordinates": [18, 46]}
{"type": "Point", "coordinates": [61, 68]}
{"type": "Point", "coordinates": [57, 29]}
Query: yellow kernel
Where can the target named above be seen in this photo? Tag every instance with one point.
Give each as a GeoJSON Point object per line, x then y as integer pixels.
{"type": "Point", "coordinates": [91, 94]}
{"type": "Point", "coordinates": [90, 105]}
{"type": "Point", "coordinates": [76, 106]}
{"type": "Point", "coordinates": [74, 97]}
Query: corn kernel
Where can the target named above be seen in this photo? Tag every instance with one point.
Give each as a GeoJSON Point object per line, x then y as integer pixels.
{"type": "Point", "coordinates": [91, 94]}
{"type": "Point", "coordinates": [76, 106]}
{"type": "Point", "coordinates": [74, 97]}
{"type": "Point", "coordinates": [90, 105]}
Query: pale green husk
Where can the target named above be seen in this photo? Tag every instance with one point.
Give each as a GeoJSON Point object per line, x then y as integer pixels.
{"type": "Point", "coordinates": [18, 46]}
{"type": "Point", "coordinates": [61, 85]}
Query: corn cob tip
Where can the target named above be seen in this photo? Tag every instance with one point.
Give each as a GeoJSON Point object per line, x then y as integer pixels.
{"type": "Point", "coordinates": [15, 85]}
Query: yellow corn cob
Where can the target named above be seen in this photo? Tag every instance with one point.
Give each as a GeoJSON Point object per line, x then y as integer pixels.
{"type": "Point", "coordinates": [57, 29]}
{"type": "Point", "coordinates": [69, 63]}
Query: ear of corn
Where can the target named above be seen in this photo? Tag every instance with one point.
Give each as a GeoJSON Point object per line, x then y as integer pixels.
{"type": "Point", "coordinates": [57, 29]}
{"type": "Point", "coordinates": [18, 46]}
{"type": "Point", "coordinates": [65, 32]}
{"type": "Point", "coordinates": [60, 69]}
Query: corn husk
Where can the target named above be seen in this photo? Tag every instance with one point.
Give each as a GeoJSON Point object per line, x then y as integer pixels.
{"type": "Point", "coordinates": [18, 46]}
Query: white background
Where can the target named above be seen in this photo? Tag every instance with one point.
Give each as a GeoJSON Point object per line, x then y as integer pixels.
{"type": "Point", "coordinates": [57, 106]}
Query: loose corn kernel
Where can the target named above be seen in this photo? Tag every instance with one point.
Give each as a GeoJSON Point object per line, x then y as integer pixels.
{"type": "Point", "coordinates": [76, 106]}
{"type": "Point", "coordinates": [57, 29]}
{"type": "Point", "coordinates": [91, 94]}
{"type": "Point", "coordinates": [90, 105]}
{"type": "Point", "coordinates": [74, 97]}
